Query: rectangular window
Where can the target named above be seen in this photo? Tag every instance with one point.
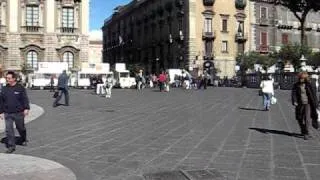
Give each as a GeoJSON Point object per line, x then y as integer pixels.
{"type": "Point", "coordinates": [224, 25]}
{"type": "Point", "coordinates": [32, 15]}
{"type": "Point", "coordinates": [263, 12]}
{"type": "Point", "coordinates": [264, 39]}
{"type": "Point", "coordinates": [224, 47]}
{"type": "Point", "coordinates": [285, 39]}
{"type": "Point", "coordinates": [208, 48]}
{"type": "Point", "coordinates": [208, 25]}
{"type": "Point", "coordinates": [68, 17]}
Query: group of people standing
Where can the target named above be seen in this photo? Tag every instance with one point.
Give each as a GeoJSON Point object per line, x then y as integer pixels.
{"type": "Point", "coordinates": [104, 85]}
{"type": "Point", "coordinates": [304, 99]}
{"type": "Point", "coordinates": [163, 81]}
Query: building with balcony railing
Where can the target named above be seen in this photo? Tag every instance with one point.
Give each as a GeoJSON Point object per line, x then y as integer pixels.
{"type": "Point", "coordinates": [32, 31]}
{"type": "Point", "coordinates": [185, 34]}
{"type": "Point", "coordinates": [274, 26]}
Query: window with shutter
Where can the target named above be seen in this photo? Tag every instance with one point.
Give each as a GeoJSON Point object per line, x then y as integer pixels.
{"type": "Point", "coordinates": [263, 39]}
{"type": "Point", "coordinates": [285, 39]}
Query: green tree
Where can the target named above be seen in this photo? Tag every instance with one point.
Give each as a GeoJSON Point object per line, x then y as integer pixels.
{"type": "Point", "coordinates": [267, 61]}
{"type": "Point", "coordinates": [246, 61]}
{"type": "Point", "coordinates": [300, 9]}
{"type": "Point", "coordinates": [292, 54]}
{"type": "Point", "coordinates": [314, 60]}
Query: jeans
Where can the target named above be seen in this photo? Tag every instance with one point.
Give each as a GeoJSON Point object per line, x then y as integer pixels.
{"type": "Point", "coordinates": [66, 96]}
{"type": "Point", "coordinates": [18, 119]}
{"type": "Point", "coordinates": [267, 100]}
{"type": "Point", "coordinates": [108, 91]}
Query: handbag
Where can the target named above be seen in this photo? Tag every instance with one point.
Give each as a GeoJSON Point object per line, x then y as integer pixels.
{"type": "Point", "coordinates": [273, 100]}
{"type": "Point", "coordinates": [55, 94]}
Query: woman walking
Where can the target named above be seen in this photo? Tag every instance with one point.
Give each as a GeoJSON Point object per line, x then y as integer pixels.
{"type": "Point", "coordinates": [305, 101]}
{"type": "Point", "coordinates": [267, 91]}
{"type": "Point", "coordinates": [109, 84]}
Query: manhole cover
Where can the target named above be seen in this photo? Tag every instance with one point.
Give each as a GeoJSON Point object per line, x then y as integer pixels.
{"type": "Point", "coordinates": [170, 175]}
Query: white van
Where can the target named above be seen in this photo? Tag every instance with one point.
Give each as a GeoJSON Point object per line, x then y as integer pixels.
{"type": "Point", "coordinates": [177, 72]}
{"type": "Point", "coordinates": [123, 79]}
{"type": "Point", "coordinates": [89, 70]}
{"type": "Point", "coordinates": [42, 77]}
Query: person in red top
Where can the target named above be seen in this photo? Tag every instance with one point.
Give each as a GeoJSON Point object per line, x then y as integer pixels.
{"type": "Point", "coordinates": [162, 80]}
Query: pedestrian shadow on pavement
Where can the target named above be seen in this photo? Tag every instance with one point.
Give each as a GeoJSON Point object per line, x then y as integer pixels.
{"type": "Point", "coordinates": [251, 109]}
{"type": "Point", "coordinates": [271, 131]}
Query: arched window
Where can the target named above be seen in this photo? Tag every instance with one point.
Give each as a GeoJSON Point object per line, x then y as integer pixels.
{"type": "Point", "coordinates": [68, 58]}
{"type": "Point", "coordinates": [32, 59]}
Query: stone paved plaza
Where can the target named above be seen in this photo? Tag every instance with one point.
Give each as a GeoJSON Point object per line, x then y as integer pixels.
{"type": "Point", "coordinates": [138, 133]}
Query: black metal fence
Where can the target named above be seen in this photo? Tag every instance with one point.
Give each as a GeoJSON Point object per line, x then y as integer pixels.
{"type": "Point", "coordinates": [282, 81]}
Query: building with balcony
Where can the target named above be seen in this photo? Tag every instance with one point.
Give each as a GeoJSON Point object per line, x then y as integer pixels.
{"type": "Point", "coordinates": [274, 26]}
{"type": "Point", "coordinates": [196, 35]}
{"type": "Point", "coordinates": [33, 31]}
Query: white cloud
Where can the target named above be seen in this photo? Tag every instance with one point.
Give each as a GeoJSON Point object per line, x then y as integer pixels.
{"type": "Point", "coordinates": [95, 35]}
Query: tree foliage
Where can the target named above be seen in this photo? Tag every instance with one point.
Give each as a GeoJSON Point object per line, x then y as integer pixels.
{"type": "Point", "coordinates": [248, 60]}
{"type": "Point", "coordinates": [300, 9]}
{"type": "Point", "coordinates": [292, 54]}
{"type": "Point", "coordinates": [314, 59]}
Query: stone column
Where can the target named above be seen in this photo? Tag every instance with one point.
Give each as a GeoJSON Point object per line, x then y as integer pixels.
{"type": "Point", "coordinates": [13, 15]}
{"type": "Point", "coordinates": [84, 17]}
{"type": "Point", "coordinates": [50, 16]}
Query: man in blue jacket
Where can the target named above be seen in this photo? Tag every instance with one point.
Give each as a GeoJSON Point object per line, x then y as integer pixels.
{"type": "Point", "coordinates": [14, 105]}
{"type": "Point", "coordinates": [63, 88]}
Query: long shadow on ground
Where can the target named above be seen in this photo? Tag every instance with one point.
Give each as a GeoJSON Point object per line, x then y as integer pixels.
{"type": "Point", "coordinates": [251, 109]}
{"type": "Point", "coordinates": [271, 131]}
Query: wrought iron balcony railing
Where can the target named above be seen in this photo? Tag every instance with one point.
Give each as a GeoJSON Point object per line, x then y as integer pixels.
{"type": "Point", "coordinates": [263, 48]}
{"type": "Point", "coordinates": [31, 29]}
{"type": "Point", "coordinates": [208, 35]}
{"type": "Point", "coordinates": [241, 37]}
{"type": "Point", "coordinates": [69, 30]}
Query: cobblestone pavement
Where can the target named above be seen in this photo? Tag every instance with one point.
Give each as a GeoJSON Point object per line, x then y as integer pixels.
{"type": "Point", "coordinates": [136, 133]}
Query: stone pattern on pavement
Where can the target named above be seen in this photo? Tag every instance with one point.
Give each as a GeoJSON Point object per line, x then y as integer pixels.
{"type": "Point", "coordinates": [138, 133]}
{"type": "Point", "coordinates": [35, 112]}
{"type": "Point", "coordinates": [20, 167]}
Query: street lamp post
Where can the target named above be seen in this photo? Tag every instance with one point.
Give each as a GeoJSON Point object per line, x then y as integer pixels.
{"type": "Point", "coordinates": [157, 65]}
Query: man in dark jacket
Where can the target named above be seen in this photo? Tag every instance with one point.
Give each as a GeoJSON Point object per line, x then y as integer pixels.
{"type": "Point", "coordinates": [63, 88]}
{"type": "Point", "coordinates": [15, 106]}
{"type": "Point", "coordinates": [305, 101]}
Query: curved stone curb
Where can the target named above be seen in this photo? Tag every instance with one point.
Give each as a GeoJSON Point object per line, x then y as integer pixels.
{"type": "Point", "coordinates": [20, 167]}
{"type": "Point", "coordinates": [35, 112]}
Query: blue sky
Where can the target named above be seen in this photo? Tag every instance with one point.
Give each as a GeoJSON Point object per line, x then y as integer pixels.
{"type": "Point", "coordinates": [101, 9]}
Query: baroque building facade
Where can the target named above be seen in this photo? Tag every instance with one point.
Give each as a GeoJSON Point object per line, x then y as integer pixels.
{"type": "Point", "coordinates": [33, 31]}
{"type": "Point", "coordinates": [273, 26]}
{"type": "Point", "coordinates": [196, 35]}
